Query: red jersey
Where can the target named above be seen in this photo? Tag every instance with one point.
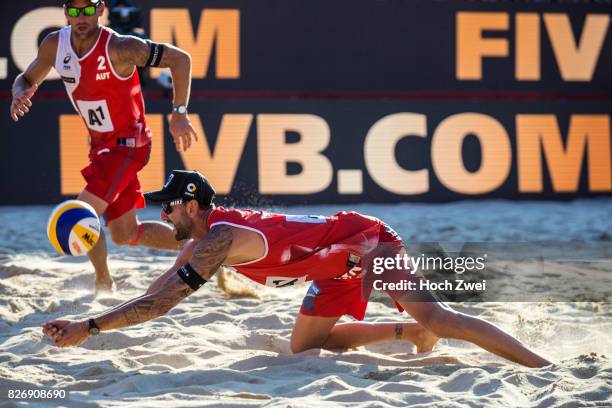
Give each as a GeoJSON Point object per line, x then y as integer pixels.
{"type": "Point", "coordinates": [111, 106]}
{"type": "Point", "coordinates": [301, 248]}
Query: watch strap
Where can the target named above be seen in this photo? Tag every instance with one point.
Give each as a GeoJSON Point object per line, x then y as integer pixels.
{"type": "Point", "coordinates": [93, 327]}
{"type": "Point", "coordinates": [180, 109]}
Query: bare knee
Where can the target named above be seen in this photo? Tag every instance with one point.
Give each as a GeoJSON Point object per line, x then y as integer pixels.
{"type": "Point", "coordinates": [123, 236]}
{"type": "Point", "coordinates": [311, 332]}
{"type": "Point", "coordinates": [120, 239]}
{"type": "Point", "coordinates": [124, 229]}
{"type": "Point", "coordinates": [298, 346]}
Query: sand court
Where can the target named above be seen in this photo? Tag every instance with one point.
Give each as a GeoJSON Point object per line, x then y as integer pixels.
{"type": "Point", "coordinates": [212, 349]}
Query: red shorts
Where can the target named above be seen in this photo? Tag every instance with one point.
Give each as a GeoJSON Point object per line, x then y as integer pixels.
{"type": "Point", "coordinates": [337, 296]}
{"type": "Point", "coordinates": [112, 175]}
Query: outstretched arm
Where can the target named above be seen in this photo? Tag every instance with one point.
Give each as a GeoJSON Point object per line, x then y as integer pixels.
{"type": "Point", "coordinates": [208, 255]}
{"type": "Point", "coordinates": [66, 333]}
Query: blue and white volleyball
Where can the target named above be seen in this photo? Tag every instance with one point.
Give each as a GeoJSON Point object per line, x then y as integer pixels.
{"type": "Point", "coordinates": [73, 228]}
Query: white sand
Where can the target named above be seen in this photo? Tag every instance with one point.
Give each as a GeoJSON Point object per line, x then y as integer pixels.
{"type": "Point", "coordinates": [211, 350]}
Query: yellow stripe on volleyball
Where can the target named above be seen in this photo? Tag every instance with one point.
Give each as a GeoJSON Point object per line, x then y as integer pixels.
{"type": "Point", "coordinates": [88, 237]}
{"type": "Point", "coordinates": [51, 227]}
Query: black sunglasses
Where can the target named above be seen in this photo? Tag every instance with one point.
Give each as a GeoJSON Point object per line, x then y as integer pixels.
{"type": "Point", "coordinates": [168, 206]}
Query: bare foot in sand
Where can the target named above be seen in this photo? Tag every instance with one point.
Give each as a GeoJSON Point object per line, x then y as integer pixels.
{"type": "Point", "coordinates": [104, 286]}
{"type": "Point", "coordinates": [424, 340]}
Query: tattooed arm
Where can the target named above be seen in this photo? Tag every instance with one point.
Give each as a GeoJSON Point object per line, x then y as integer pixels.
{"type": "Point", "coordinates": [67, 333]}
{"type": "Point", "coordinates": [127, 52]}
{"type": "Point", "coordinates": [208, 255]}
{"type": "Point", "coordinates": [181, 259]}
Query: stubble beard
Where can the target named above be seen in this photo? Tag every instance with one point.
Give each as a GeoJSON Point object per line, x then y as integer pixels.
{"type": "Point", "coordinates": [86, 35]}
{"type": "Point", "coordinates": [182, 232]}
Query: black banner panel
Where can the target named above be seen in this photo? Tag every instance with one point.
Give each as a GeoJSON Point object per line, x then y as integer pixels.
{"type": "Point", "coordinates": [346, 101]}
{"type": "Point", "coordinates": [340, 151]}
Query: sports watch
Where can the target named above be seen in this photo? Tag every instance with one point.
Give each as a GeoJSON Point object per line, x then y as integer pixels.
{"type": "Point", "coordinates": [181, 109]}
{"type": "Point", "coordinates": [93, 327]}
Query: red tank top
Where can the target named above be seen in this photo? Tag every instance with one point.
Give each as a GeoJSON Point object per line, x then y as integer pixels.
{"type": "Point", "coordinates": [111, 106]}
{"type": "Point", "coordinates": [301, 248]}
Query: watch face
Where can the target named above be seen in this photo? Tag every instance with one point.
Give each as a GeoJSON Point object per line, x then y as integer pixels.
{"type": "Point", "coordinates": [181, 109]}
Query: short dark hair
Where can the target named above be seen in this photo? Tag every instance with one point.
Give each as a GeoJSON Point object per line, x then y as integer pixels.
{"type": "Point", "coordinates": [205, 207]}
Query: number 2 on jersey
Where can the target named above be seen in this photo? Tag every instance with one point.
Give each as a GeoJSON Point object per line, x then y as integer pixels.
{"type": "Point", "coordinates": [101, 63]}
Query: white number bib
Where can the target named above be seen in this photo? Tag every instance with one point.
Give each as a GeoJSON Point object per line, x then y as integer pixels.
{"type": "Point", "coordinates": [313, 219]}
{"type": "Point", "coordinates": [96, 115]}
{"type": "Point", "coordinates": [282, 281]}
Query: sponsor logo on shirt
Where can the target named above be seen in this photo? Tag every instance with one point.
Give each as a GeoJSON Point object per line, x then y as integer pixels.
{"type": "Point", "coordinates": [67, 59]}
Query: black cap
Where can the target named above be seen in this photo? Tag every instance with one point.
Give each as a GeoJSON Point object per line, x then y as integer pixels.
{"type": "Point", "coordinates": [188, 185]}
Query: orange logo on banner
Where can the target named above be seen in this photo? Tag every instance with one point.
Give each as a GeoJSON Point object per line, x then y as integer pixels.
{"type": "Point", "coordinates": [576, 59]}
{"type": "Point", "coordinates": [539, 144]}
{"type": "Point", "coordinates": [219, 30]}
{"type": "Point", "coordinates": [588, 135]}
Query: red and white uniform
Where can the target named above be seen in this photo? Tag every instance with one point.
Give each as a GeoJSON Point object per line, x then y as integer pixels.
{"type": "Point", "coordinates": [328, 250]}
{"type": "Point", "coordinates": [112, 108]}
{"type": "Point", "coordinates": [301, 248]}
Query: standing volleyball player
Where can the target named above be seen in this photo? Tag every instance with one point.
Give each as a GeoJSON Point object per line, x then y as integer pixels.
{"type": "Point", "coordinates": [98, 69]}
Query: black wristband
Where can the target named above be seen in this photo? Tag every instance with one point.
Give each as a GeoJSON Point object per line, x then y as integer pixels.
{"type": "Point", "coordinates": [156, 50]}
{"type": "Point", "coordinates": [191, 277]}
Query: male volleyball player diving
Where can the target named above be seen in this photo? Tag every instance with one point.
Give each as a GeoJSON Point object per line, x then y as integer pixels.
{"type": "Point", "coordinates": [98, 69]}
{"type": "Point", "coordinates": [280, 250]}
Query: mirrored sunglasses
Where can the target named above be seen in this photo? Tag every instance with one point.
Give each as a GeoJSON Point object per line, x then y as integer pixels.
{"type": "Point", "coordinates": [87, 11]}
{"type": "Point", "coordinates": [168, 206]}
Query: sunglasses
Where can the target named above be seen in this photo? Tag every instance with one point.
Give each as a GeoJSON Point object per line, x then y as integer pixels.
{"type": "Point", "coordinates": [168, 206]}
{"type": "Point", "coordinates": [87, 11]}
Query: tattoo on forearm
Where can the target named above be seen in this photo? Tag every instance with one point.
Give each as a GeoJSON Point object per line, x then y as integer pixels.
{"type": "Point", "coordinates": [210, 253]}
{"type": "Point", "coordinates": [157, 304]}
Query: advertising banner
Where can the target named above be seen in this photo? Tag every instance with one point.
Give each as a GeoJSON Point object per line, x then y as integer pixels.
{"type": "Point", "coordinates": [361, 101]}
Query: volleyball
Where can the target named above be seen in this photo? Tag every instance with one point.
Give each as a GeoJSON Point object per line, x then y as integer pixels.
{"type": "Point", "coordinates": [73, 228]}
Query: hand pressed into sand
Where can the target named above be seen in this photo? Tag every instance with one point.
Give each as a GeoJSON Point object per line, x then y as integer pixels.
{"type": "Point", "coordinates": [66, 333]}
